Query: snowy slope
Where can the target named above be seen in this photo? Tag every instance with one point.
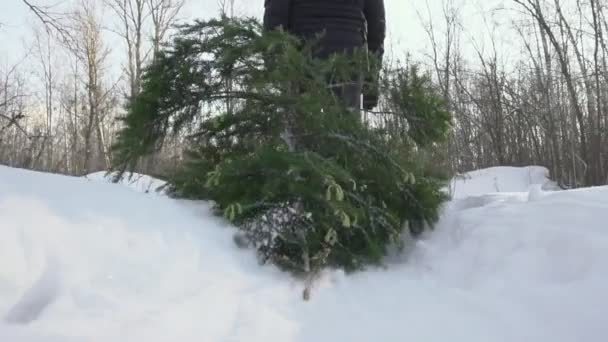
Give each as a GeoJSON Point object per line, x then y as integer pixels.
{"type": "Point", "coordinates": [136, 181]}
{"type": "Point", "coordinates": [500, 179]}
{"type": "Point", "coordinates": [92, 261]}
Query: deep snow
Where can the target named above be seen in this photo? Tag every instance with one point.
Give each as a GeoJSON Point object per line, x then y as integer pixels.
{"type": "Point", "coordinates": [499, 180]}
{"type": "Point", "coordinates": [135, 181]}
{"type": "Point", "coordinates": [85, 260]}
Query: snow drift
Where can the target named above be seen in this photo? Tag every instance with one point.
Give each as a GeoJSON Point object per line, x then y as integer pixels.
{"type": "Point", "coordinates": [500, 179]}
{"type": "Point", "coordinates": [135, 181]}
{"type": "Point", "coordinates": [82, 260]}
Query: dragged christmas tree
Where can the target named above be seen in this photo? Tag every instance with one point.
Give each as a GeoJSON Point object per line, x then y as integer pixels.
{"type": "Point", "coordinates": [311, 183]}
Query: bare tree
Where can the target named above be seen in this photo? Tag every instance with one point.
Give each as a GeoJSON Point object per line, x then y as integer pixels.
{"type": "Point", "coordinates": [92, 54]}
{"type": "Point", "coordinates": [533, 7]}
{"type": "Point", "coordinates": [132, 15]}
{"type": "Point", "coordinates": [51, 20]}
{"type": "Point", "coordinates": [21, 143]}
{"type": "Point", "coordinates": [44, 46]}
{"type": "Point", "coordinates": [11, 97]}
{"type": "Point", "coordinates": [226, 7]}
{"type": "Point", "coordinates": [163, 14]}
{"type": "Point", "coordinates": [443, 56]}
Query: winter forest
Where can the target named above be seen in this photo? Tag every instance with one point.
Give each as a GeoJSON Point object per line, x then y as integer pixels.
{"type": "Point", "coordinates": [216, 170]}
{"type": "Point", "coordinates": [529, 89]}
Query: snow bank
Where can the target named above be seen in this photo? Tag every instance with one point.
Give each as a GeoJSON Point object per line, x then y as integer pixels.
{"type": "Point", "coordinates": [92, 261]}
{"type": "Point", "coordinates": [129, 266]}
{"type": "Point", "coordinates": [500, 179]}
{"type": "Point", "coordinates": [135, 181]}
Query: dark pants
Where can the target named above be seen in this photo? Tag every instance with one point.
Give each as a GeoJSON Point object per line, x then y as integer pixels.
{"type": "Point", "coordinates": [349, 94]}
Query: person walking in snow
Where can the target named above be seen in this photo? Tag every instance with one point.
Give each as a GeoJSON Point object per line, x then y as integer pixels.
{"type": "Point", "coordinates": [344, 25]}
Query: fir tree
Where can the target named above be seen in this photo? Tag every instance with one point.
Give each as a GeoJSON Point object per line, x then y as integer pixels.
{"type": "Point", "coordinates": [309, 182]}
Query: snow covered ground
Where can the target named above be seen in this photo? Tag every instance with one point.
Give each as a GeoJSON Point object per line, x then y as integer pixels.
{"type": "Point", "coordinates": [501, 179]}
{"type": "Point", "coordinates": [86, 260]}
{"type": "Point", "coordinates": [135, 181]}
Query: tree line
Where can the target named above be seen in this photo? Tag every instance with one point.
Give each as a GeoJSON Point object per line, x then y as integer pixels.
{"type": "Point", "coordinates": [61, 101]}
{"type": "Point", "coordinates": [547, 106]}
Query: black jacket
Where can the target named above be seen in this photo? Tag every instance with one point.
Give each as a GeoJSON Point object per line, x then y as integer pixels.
{"type": "Point", "coordinates": [345, 24]}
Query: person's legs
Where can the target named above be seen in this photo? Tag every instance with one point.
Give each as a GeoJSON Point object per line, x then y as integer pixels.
{"type": "Point", "coordinates": [291, 133]}
{"type": "Point", "coordinates": [349, 94]}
